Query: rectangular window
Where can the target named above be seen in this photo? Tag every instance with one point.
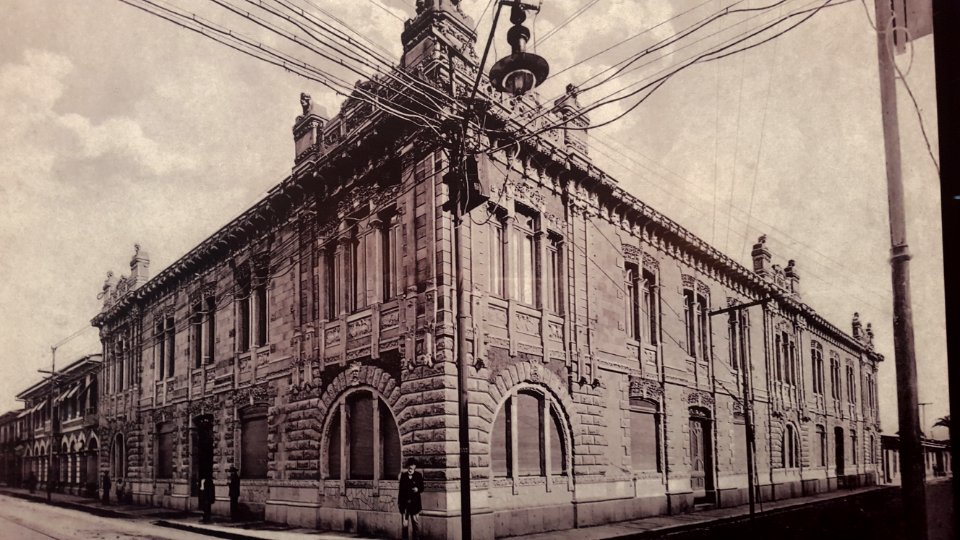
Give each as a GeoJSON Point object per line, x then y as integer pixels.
{"type": "Point", "coordinates": [262, 316]}
{"type": "Point", "coordinates": [171, 338]}
{"type": "Point", "coordinates": [196, 327]}
{"type": "Point", "coordinates": [389, 243]}
{"type": "Point", "coordinates": [243, 320]}
{"type": "Point", "coordinates": [528, 271]}
{"type": "Point", "coordinates": [554, 300]}
{"type": "Point", "coordinates": [496, 258]}
{"type": "Point", "coordinates": [211, 330]}
{"type": "Point", "coordinates": [703, 308]}
{"type": "Point", "coordinates": [331, 288]}
{"type": "Point", "coordinates": [644, 451]}
{"type": "Point", "coordinates": [851, 385]}
{"type": "Point", "coordinates": [530, 428]}
{"type": "Point", "coordinates": [360, 413]}
{"type": "Point", "coordinates": [631, 287]}
{"type": "Point", "coordinates": [166, 445]}
{"type": "Point", "coordinates": [649, 307]}
{"type": "Point", "coordinates": [689, 321]}
{"type": "Point", "coordinates": [733, 327]}
{"type": "Point", "coordinates": [253, 446]}
{"type": "Point", "coordinates": [356, 276]}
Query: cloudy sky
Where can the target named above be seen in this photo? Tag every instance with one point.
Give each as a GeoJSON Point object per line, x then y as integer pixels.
{"type": "Point", "coordinates": [117, 128]}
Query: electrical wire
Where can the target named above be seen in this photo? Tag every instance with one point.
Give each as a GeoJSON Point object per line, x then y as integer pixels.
{"type": "Point", "coordinates": [550, 33]}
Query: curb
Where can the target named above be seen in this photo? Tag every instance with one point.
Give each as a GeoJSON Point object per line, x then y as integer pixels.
{"type": "Point", "coordinates": [204, 530]}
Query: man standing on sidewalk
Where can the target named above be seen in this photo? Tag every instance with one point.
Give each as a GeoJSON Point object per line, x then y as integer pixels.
{"type": "Point", "coordinates": [206, 497]}
{"type": "Point", "coordinates": [411, 486]}
{"type": "Point", "coordinates": [234, 494]}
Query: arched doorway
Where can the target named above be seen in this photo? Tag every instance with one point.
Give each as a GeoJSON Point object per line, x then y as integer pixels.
{"type": "Point", "coordinates": [701, 454]}
{"type": "Point", "coordinates": [92, 457]}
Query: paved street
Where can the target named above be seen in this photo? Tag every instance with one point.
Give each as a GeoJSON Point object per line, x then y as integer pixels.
{"type": "Point", "coordinates": [26, 520]}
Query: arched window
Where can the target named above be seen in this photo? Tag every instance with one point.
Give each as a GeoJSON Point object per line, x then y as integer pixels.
{"type": "Point", "coordinates": [253, 442]}
{"type": "Point", "coordinates": [816, 359]}
{"type": "Point", "coordinates": [527, 437]}
{"type": "Point", "coordinates": [363, 441]}
{"type": "Point", "coordinates": [791, 448]}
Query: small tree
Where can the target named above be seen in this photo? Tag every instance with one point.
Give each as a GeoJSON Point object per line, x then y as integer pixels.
{"type": "Point", "coordinates": [943, 421]}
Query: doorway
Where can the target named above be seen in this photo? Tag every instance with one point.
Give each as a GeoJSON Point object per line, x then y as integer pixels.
{"type": "Point", "coordinates": [838, 449]}
{"type": "Point", "coordinates": [701, 455]}
{"type": "Point", "coordinates": [202, 455]}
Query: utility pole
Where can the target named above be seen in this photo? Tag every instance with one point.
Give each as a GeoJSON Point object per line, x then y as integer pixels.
{"type": "Point", "coordinates": [746, 376]}
{"type": "Point", "coordinates": [53, 469]}
{"type": "Point", "coordinates": [911, 457]}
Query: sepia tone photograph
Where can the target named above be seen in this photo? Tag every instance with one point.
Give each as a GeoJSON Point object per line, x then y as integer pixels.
{"type": "Point", "coordinates": [474, 269]}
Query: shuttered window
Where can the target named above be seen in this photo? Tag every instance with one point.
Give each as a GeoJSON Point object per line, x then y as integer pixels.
{"type": "Point", "coordinates": [166, 445]}
{"type": "Point", "coordinates": [253, 443]}
{"type": "Point", "coordinates": [364, 453]}
{"type": "Point", "coordinates": [644, 448]}
{"type": "Point", "coordinates": [536, 441]}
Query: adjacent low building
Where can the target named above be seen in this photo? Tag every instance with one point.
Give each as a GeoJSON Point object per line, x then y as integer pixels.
{"type": "Point", "coordinates": [58, 441]}
{"type": "Point", "coordinates": [310, 342]}
{"type": "Point", "coordinates": [937, 459]}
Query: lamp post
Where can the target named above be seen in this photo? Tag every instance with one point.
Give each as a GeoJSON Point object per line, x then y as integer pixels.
{"type": "Point", "coordinates": [517, 74]}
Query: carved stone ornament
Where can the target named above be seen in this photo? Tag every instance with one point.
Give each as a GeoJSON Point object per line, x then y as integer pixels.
{"type": "Point", "coordinates": [353, 373]}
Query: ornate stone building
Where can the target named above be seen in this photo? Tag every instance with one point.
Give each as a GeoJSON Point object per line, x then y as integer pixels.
{"type": "Point", "coordinates": [310, 341]}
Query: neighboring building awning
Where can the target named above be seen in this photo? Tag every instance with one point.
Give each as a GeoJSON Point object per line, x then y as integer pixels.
{"type": "Point", "coordinates": [72, 392]}
{"type": "Point", "coordinates": [24, 413]}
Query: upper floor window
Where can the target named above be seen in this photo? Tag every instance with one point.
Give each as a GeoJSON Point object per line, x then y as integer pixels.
{"type": "Point", "coordinates": [528, 268]}
{"type": "Point", "coordinates": [497, 260]}
{"type": "Point", "coordinates": [553, 300]}
{"type": "Point", "coordinates": [331, 285]}
{"type": "Point", "coordinates": [262, 306]}
{"type": "Point", "coordinates": [390, 245]}
{"type": "Point", "coordinates": [696, 312]}
{"type": "Point", "coordinates": [816, 360]}
{"type": "Point", "coordinates": [243, 317]}
{"type": "Point", "coordinates": [851, 385]}
{"type": "Point", "coordinates": [356, 273]}
{"type": "Point", "coordinates": [170, 333]}
{"type": "Point", "coordinates": [631, 287]}
{"type": "Point", "coordinates": [649, 308]}
{"type": "Point", "coordinates": [210, 332]}
{"type": "Point", "coordinates": [836, 390]}
{"type": "Point", "coordinates": [197, 323]}
{"type": "Point", "coordinates": [527, 437]}
{"type": "Point", "coordinates": [786, 359]}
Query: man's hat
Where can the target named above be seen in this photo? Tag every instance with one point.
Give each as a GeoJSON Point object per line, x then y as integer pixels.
{"type": "Point", "coordinates": [412, 461]}
{"type": "Point", "coordinates": [232, 469]}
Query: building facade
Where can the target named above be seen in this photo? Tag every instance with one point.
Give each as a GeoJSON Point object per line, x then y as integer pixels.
{"type": "Point", "coordinates": [59, 444]}
{"type": "Point", "coordinates": [937, 459]}
{"type": "Point", "coordinates": [10, 461]}
{"type": "Point", "coordinates": [310, 342]}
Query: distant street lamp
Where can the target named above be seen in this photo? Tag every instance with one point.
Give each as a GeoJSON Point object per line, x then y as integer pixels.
{"type": "Point", "coordinates": [521, 71]}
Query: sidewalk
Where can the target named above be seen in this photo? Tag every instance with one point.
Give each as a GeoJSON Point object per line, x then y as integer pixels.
{"type": "Point", "coordinates": [220, 528]}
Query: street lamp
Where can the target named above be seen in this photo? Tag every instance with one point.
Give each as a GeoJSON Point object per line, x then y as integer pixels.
{"type": "Point", "coordinates": [521, 71]}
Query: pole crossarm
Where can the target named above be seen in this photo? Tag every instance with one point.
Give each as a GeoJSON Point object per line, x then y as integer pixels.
{"type": "Point", "coordinates": [739, 307]}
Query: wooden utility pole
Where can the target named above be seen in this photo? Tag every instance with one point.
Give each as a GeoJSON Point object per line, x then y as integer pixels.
{"type": "Point", "coordinates": [911, 457]}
